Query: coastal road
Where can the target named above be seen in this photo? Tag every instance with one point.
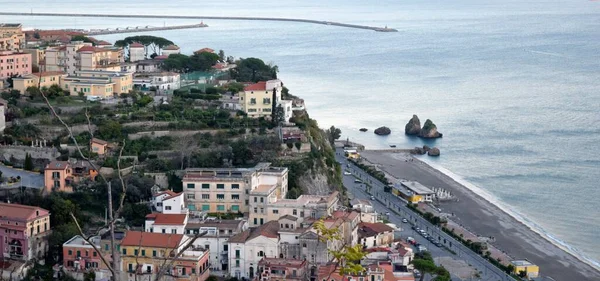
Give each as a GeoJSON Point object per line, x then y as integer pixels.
{"type": "Point", "coordinates": [399, 211]}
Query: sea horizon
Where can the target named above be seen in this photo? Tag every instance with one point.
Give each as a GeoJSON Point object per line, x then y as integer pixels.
{"type": "Point", "coordinates": [513, 86]}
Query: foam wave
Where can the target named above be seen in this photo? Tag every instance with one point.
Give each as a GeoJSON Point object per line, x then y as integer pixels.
{"type": "Point", "coordinates": [516, 215]}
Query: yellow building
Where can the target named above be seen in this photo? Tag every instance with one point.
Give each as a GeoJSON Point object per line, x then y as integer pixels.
{"type": "Point", "coordinates": [144, 253]}
{"type": "Point", "coordinates": [38, 56]}
{"type": "Point", "coordinates": [78, 56]}
{"type": "Point", "coordinates": [98, 83]}
{"type": "Point", "coordinates": [228, 190]}
{"type": "Point", "coordinates": [257, 99]}
{"type": "Point", "coordinates": [12, 37]}
{"type": "Point", "coordinates": [43, 79]}
{"type": "Point", "coordinates": [413, 191]}
{"type": "Point", "coordinates": [531, 270]}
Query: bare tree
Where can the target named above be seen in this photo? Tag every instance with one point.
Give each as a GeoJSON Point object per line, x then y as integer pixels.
{"type": "Point", "coordinates": [186, 145]}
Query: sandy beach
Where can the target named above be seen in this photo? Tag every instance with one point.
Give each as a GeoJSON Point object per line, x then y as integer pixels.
{"type": "Point", "coordinates": [486, 219]}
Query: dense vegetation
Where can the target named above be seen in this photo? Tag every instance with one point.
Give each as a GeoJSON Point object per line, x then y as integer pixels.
{"type": "Point", "coordinates": [152, 44]}
{"type": "Point", "coordinates": [196, 62]}
{"type": "Point", "coordinates": [253, 70]}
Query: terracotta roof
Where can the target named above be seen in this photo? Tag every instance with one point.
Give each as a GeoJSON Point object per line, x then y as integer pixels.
{"type": "Point", "coordinates": [21, 211]}
{"type": "Point", "coordinates": [289, 217]}
{"type": "Point", "coordinates": [170, 192]}
{"type": "Point", "coordinates": [367, 229]}
{"type": "Point", "coordinates": [103, 43]}
{"type": "Point", "coordinates": [204, 50]}
{"type": "Point", "coordinates": [136, 45]}
{"type": "Point", "coordinates": [260, 86]}
{"type": "Point", "coordinates": [169, 219]}
{"type": "Point", "coordinates": [269, 229]}
{"type": "Point", "coordinates": [90, 49]}
{"type": "Point", "coordinates": [151, 240]}
{"type": "Point", "coordinates": [171, 47]}
{"type": "Point", "coordinates": [99, 141]}
{"type": "Point", "coordinates": [57, 165]}
{"type": "Point", "coordinates": [345, 215]}
{"type": "Point", "coordinates": [48, 73]}
{"type": "Point", "coordinates": [173, 196]}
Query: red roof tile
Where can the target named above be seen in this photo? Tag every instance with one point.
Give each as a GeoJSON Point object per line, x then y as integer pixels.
{"type": "Point", "coordinates": [367, 229]}
{"type": "Point", "coordinates": [173, 196]}
{"type": "Point", "coordinates": [99, 141]}
{"type": "Point", "coordinates": [136, 45]}
{"type": "Point", "coordinates": [57, 165]}
{"type": "Point", "coordinates": [204, 50]}
{"type": "Point", "coordinates": [23, 212]}
{"type": "Point", "coordinates": [168, 219]}
{"type": "Point", "coordinates": [171, 47]}
{"type": "Point", "coordinates": [269, 229]}
{"type": "Point", "coordinates": [150, 239]}
{"type": "Point", "coordinates": [260, 86]}
{"type": "Point", "coordinates": [170, 192]}
{"type": "Point", "coordinates": [103, 43]}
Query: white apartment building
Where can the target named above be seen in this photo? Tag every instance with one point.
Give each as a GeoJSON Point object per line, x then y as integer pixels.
{"type": "Point", "coordinates": [249, 247]}
{"type": "Point", "coordinates": [169, 202]}
{"type": "Point", "coordinates": [162, 81]}
{"type": "Point", "coordinates": [137, 52]}
{"type": "Point", "coordinates": [266, 205]}
{"type": "Point", "coordinates": [225, 190]}
{"type": "Point", "coordinates": [216, 240]}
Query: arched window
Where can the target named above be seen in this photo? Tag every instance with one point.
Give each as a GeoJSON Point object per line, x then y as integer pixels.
{"type": "Point", "coordinates": [261, 254]}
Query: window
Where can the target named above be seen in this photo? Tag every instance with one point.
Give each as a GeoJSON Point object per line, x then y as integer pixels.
{"type": "Point", "coordinates": [261, 221]}
{"type": "Point", "coordinates": [266, 101]}
{"type": "Point", "coordinates": [135, 252]}
{"type": "Point", "coordinates": [262, 200]}
{"type": "Point", "coordinates": [275, 211]}
{"type": "Point", "coordinates": [78, 253]}
{"type": "Point", "coordinates": [163, 231]}
{"type": "Point", "coordinates": [95, 254]}
{"type": "Point", "coordinates": [220, 186]}
{"type": "Point", "coordinates": [246, 202]}
{"type": "Point", "coordinates": [205, 196]}
{"type": "Point", "coordinates": [191, 196]}
{"type": "Point", "coordinates": [235, 196]}
{"type": "Point", "coordinates": [221, 196]}
{"type": "Point", "coordinates": [225, 248]}
{"type": "Point", "coordinates": [205, 207]}
{"type": "Point", "coordinates": [255, 210]}
{"type": "Point", "coordinates": [235, 208]}
{"type": "Point", "coordinates": [220, 207]}
{"type": "Point", "coordinates": [174, 231]}
{"type": "Point", "coordinates": [207, 246]}
{"type": "Point", "coordinates": [205, 185]}
{"type": "Point", "coordinates": [262, 210]}
{"type": "Point", "coordinates": [144, 253]}
{"type": "Point", "coordinates": [266, 110]}
{"type": "Point", "coordinates": [237, 263]}
{"type": "Point", "coordinates": [254, 199]}
{"type": "Point", "coordinates": [191, 186]}
{"type": "Point", "coordinates": [70, 252]}
{"type": "Point", "coordinates": [255, 221]}
{"type": "Point", "coordinates": [154, 253]}
{"type": "Point", "coordinates": [294, 212]}
{"type": "Point", "coordinates": [168, 208]}
{"type": "Point", "coordinates": [252, 100]}
{"type": "Point", "coordinates": [235, 186]}
{"type": "Point", "coordinates": [261, 253]}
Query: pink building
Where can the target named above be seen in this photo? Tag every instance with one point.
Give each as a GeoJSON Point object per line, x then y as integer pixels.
{"type": "Point", "coordinates": [13, 63]}
{"type": "Point", "coordinates": [23, 231]}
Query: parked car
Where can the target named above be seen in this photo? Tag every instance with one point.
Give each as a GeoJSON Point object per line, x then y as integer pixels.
{"type": "Point", "coordinates": [438, 244]}
{"type": "Point", "coordinates": [357, 181]}
{"type": "Point", "coordinates": [404, 220]}
{"type": "Point", "coordinates": [372, 198]}
{"type": "Point", "coordinates": [347, 173]}
{"type": "Point", "coordinates": [422, 249]}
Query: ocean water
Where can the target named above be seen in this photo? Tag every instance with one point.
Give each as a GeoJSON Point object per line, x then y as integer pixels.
{"type": "Point", "coordinates": [513, 85]}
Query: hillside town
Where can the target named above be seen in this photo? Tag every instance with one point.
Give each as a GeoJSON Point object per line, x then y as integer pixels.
{"type": "Point", "coordinates": [134, 161]}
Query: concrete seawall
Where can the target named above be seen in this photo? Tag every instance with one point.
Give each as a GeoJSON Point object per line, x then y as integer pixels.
{"type": "Point", "coordinates": [145, 29]}
{"type": "Point", "coordinates": [374, 28]}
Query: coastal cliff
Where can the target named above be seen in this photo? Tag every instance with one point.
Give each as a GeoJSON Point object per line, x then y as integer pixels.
{"type": "Point", "coordinates": [429, 131]}
{"type": "Point", "coordinates": [413, 127]}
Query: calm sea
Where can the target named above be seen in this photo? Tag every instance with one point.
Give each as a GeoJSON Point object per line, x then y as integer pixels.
{"type": "Point", "coordinates": [513, 85]}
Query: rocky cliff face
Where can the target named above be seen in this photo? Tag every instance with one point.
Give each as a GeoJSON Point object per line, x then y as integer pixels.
{"type": "Point", "coordinates": [429, 131]}
{"type": "Point", "coordinates": [413, 127]}
{"type": "Point", "coordinates": [314, 183]}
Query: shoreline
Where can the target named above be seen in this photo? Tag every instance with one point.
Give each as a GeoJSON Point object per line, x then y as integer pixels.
{"type": "Point", "coordinates": [477, 191]}
{"type": "Point", "coordinates": [483, 215]}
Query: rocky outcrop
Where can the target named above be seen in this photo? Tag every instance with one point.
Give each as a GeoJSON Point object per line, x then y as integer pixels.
{"type": "Point", "coordinates": [426, 148]}
{"type": "Point", "coordinates": [363, 129]}
{"type": "Point", "coordinates": [429, 131]}
{"type": "Point", "coordinates": [413, 127]}
{"type": "Point", "coordinates": [418, 150]}
{"type": "Point", "coordinates": [383, 131]}
{"type": "Point", "coordinates": [434, 152]}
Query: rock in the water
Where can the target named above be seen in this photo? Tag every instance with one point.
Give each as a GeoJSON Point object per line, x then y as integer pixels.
{"type": "Point", "coordinates": [383, 131]}
{"type": "Point", "coordinates": [434, 152]}
{"type": "Point", "coordinates": [363, 129]}
{"type": "Point", "coordinates": [418, 150]}
{"type": "Point", "coordinates": [413, 127]}
{"type": "Point", "coordinates": [426, 148]}
{"type": "Point", "coordinates": [429, 131]}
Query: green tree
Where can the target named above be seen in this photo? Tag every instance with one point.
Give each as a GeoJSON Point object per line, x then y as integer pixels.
{"type": "Point", "coordinates": [83, 38]}
{"type": "Point", "coordinates": [111, 130]}
{"type": "Point", "coordinates": [152, 44]}
{"type": "Point", "coordinates": [221, 55]}
{"type": "Point", "coordinates": [424, 266]}
{"type": "Point", "coordinates": [28, 165]}
{"type": "Point", "coordinates": [522, 273]}
{"type": "Point", "coordinates": [347, 257]}
{"type": "Point", "coordinates": [333, 134]}
{"type": "Point", "coordinates": [253, 70]}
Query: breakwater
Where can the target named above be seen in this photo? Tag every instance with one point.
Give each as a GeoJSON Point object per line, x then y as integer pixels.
{"type": "Point", "coordinates": [374, 28]}
{"type": "Point", "coordinates": [143, 29]}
